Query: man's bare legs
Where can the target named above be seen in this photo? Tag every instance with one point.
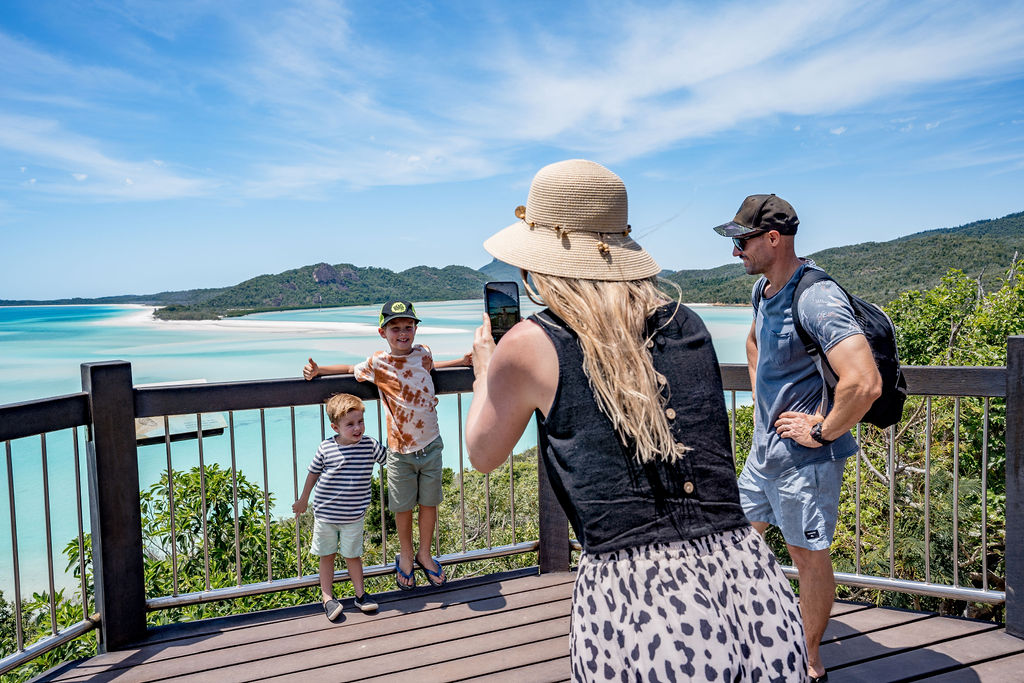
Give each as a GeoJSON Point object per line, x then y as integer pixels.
{"type": "Point", "coordinates": [817, 593]}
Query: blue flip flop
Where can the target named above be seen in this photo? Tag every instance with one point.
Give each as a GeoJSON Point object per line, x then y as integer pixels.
{"type": "Point", "coordinates": [433, 577]}
{"type": "Point", "coordinates": [411, 576]}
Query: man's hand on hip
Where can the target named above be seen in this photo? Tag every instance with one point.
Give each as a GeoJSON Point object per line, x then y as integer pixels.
{"type": "Point", "coordinates": [797, 426]}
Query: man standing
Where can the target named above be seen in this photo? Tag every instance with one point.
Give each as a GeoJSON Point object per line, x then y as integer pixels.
{"type": "Point", "coordinates": [794, 472]}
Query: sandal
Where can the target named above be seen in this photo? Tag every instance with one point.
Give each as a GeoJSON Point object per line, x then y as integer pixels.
{"type": "Point", "coordinates": [433, 577]}
{"type": "Point", "coordinates": [410, 576]}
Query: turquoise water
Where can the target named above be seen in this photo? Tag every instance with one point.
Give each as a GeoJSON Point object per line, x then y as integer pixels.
{"type": "Point", "coordinates": [42, 348]}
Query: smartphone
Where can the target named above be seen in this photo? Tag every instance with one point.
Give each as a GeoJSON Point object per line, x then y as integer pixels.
{"type": "Point", "coordinates": [501, 301]}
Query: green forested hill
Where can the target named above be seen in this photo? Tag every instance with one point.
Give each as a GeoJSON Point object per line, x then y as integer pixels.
{"type": "Point", "coordinates": [880, 271]}
{"type": "Point", "coordinates": [877, 271]}
{"type": "Point", "coordinates": [338, 285]}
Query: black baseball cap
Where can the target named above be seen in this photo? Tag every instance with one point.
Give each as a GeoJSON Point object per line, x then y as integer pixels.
{"type": "Point", "coordinates": [760, 213]}
{"type": "Point", "coordinates": [396, 309]}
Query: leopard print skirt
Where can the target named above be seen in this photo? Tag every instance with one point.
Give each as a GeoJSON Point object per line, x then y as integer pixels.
{"type": "Point", "coordinates": [716, 608]}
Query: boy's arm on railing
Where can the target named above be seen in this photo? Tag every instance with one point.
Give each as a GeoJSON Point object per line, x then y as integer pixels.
{"type": "Point", "coordinates": [312, 370]}
{"type": "Point", "coordinates": [465, 362]}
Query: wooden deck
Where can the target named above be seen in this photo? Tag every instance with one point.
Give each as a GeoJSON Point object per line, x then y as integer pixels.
{"type": "Point", "coordinates": [511, 627]}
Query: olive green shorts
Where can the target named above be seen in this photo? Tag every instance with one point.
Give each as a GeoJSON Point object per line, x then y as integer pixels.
{"type": "Point", "coordinates": [415, 478]}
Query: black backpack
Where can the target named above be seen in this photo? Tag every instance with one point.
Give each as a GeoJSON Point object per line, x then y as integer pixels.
{"type": "Point", "coordinates": [881, 335]}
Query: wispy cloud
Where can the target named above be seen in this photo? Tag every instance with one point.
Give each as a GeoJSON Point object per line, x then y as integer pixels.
{"type": "Point", "coordinates": [660, 86]}
{"type": "Point", "coordinates": [51, 147]}
{"type": "Point", "coordinates": [311, 97]}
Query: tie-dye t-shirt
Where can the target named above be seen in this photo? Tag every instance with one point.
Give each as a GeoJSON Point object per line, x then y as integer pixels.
{"type": "Point", "coordinates": [407, 389]}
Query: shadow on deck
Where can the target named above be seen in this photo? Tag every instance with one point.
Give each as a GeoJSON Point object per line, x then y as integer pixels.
{"type": "Point", "coordinates": [510, 627]}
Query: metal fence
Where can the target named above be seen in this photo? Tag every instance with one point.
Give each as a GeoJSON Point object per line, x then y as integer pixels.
{"type": "Point", "coordinates": [113, 464]}
{"type": "Point", "coordinates": [901, 461]}
{"type": "Point", "coordinates": [109, 406]}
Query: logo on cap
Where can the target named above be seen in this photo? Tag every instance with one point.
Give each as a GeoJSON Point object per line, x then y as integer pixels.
{"type": "Point", "coordinates": [398, 307]}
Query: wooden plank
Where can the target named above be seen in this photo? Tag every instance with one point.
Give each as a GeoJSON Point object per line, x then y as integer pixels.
{"type": "Point", "coordinates": [553, 671]}
{"type": "Point", "coordinates": [922, 380]}
{"type": "Point", "coordinates": [18, 420]}
{"type": "Point", "coordinates": [1015, 486]}
{"type": "Point", "coordinates": [513, 664]}
{"type": "Point", "coordinates": [355, 646]}
{"type": "Point", "coordinates": [1003, 670]}
{"type": "Point", "coordinates": [399, 611]}
{"type": "Point", "coordinates": [272, 393]}
{"type": "Point", "coordinates": [898, 637]}
{"type": "Point", "coordinates": [955, 381]}
{"type": "Point", "coordinates": [938, 657]}
{"type": "Point", "coordinates": [843, 607]}
{"type": "Point", "coordinates": [112, 462]}
{"type": "Point", "coordinates": [465, 589]}
{"type": "Point", "coordinates": [857, 622]}
{"type": "Point", "coordinates": [476, 656]}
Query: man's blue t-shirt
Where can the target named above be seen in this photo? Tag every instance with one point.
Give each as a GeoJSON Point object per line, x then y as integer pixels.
{"type": "Point", "coordinates": [787, 379]}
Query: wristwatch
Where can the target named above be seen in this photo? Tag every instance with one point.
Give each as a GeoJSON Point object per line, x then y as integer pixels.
{"type": "Point", "coordinates": [816, 435]}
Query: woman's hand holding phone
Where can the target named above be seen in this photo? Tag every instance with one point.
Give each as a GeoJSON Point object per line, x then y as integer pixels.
{"type": "Point", "coordinates": [483, 348]}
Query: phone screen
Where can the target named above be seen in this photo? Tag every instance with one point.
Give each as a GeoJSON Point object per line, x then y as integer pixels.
{"type": "Point", "coordinates": [501, 301]}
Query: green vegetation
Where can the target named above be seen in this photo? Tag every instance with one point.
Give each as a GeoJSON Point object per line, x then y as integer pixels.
{"type": "Point", "coordinates": [881, 271]}
{"type": "Point", "coordinates": [188, 296]}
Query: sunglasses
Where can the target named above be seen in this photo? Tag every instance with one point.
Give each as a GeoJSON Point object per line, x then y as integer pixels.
{"type": "Point", "coordinates": [738, 242]}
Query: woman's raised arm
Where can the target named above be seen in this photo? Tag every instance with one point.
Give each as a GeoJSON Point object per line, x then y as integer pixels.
{"type": "Point", "coordinates": [512, 380]}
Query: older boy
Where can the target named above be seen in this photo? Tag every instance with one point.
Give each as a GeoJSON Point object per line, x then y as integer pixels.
{"type": "Point", "coordinates": [402, 375]}
{"type": "Point", "coordinates": [341, 471]}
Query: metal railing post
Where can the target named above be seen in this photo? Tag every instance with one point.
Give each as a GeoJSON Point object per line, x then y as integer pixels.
{"type": "Point", "coordinates": [112, 460]}
{"type": "Point", "coordinates": [1015, 486]}
{"type": "Point", "coordinates": [553, 553]}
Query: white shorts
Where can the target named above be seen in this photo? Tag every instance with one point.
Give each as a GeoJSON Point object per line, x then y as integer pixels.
{"type": "Point", "coordinates": [329, 539]}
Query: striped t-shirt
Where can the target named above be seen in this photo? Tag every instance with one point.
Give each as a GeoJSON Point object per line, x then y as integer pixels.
{"type": "Point", "coordinates": [343, 489]}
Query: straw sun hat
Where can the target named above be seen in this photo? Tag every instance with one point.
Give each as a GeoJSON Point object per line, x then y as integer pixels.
{"type": "Point", "coordinates": [574, 225]}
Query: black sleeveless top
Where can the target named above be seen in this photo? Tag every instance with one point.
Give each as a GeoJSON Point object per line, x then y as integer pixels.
{"type": "Point", "coordinates": [612, 500]}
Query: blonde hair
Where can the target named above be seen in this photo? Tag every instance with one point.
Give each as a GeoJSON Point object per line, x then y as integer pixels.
{"type": "Point", "coordinates": [610, 318]}
{"type": "Point", "coordinates": [339, 405]}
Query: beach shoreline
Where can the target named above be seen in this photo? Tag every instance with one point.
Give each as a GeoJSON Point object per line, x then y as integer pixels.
{"type": "Point", "coordinates": [144, 317]}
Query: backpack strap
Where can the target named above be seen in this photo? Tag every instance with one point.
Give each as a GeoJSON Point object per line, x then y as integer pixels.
{"type": "Point", "coordinates": [758, 293]}
{"type": "Point", "coordinates": [829, 378]}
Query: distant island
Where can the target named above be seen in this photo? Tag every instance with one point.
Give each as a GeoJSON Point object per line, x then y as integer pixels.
{"type": "Point", "coordinates": [877, 271]}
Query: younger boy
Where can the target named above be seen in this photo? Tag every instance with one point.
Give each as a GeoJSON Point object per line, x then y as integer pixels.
{"type": "Point", "coordinates": [341, 470]}
{"type": "Point", "coordinates": [402, 376]}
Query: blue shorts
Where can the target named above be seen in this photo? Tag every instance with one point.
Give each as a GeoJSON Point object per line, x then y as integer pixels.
{"type": "Point", "coordinates": [803, 502]}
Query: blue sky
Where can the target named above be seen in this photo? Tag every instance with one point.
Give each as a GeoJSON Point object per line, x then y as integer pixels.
{"type": "Point", "coordinates": [149, 146]}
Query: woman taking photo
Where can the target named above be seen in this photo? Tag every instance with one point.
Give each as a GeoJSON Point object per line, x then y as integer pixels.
{"type": "Point", "coordinates": [673, 583]}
